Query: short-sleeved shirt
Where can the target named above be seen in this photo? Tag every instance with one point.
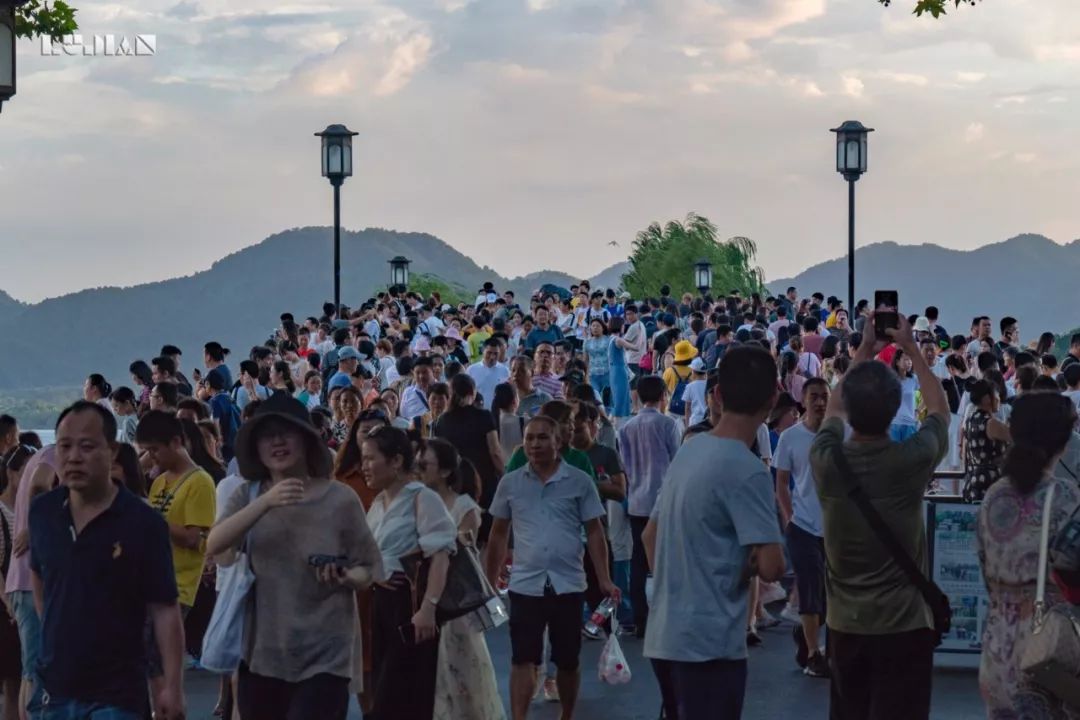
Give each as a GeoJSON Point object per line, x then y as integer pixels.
{"type": "Point", "coordinates": [648, 442]}
{"type": "Point", "coordinates": [486, 378]}
{"type": "Point", "coordinates": [187, 500]}
{"type": "Point", "coordinates": [717, 502]}
{"type": "Point", "coordinates": [868, 593]}
{"type": "Point", "coordinates": [467, 428]}
{"type": "Point", "coordinates": [571, 456]}
{"type": "Point", "coordinates": [546, 518]}
{"type": "Point", "coordinates": [530, 404]}
{"type": "Point", "coordinates": [793, 456]}
{"type": "Point", "coordinates": [538, 336]}
{"type": "Point", "coordinates": [18, 577]}
{"type": "Point", "coordinates": [96, 587]}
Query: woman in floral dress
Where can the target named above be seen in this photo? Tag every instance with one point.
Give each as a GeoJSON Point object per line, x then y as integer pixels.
{"type": "Point", "coordinates": [985, 440]}
{"type": "Point", "coordinates": [1010, 521]}
{"type": "Point", "coordinates": [465, 685]}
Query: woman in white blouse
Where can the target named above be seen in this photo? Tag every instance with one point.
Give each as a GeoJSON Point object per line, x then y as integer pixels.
{"type": "Point", "coordinates": [406, 518]}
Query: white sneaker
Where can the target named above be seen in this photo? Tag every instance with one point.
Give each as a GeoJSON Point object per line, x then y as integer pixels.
{"type": "Point", "coordinates": [773, 592]}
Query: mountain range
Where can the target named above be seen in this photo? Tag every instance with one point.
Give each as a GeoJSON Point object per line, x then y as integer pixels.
{"type": "Point", "coordinates": [1029, 277]}
{"type": "Point", "coordinates": [237, 301]}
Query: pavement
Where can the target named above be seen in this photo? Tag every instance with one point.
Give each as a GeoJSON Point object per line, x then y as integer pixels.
{"type": "Point", "coordinates": [776, 688]}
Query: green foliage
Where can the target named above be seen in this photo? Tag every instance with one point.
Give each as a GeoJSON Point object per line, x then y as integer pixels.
{"type": "Point", "coordinates": [666, 255]}
{"type": "Point", "coordinates": [39, 18]}
{"type": "Point", "coordinates": [451, 293]}
{"type": "Point", "coordinates": [935, 8]}
{"type": "Point", "coordinates": [1062, 343]}
{"type": "Point", "coordinates": [38, 408]}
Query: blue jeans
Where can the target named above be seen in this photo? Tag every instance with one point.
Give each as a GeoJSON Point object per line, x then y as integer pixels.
{"type": "Point", "coordinates": [26, 618]}
{"type": "Point", "coordinates": [54, 708]}
{"type": "Point", "coordinates": [620, 572]}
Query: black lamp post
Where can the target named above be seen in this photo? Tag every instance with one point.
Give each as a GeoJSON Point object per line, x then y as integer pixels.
{"type": "Point", "coordinates": [703, 276]}
{"type": "Point", "coordinates": [7, 49]}
{"type": "Point", "coordinates": [399, 271]}
{"type": "Point", "coordinates": [336, 166]}
{"type": "Point", "coordinates": [851, 163]}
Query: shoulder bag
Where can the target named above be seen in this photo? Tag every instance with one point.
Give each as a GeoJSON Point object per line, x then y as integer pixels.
{"type": "Point", "coordinates": [223, 643]}
{"type": "Point", "coordinates": [932, 594]}
{"type": "Point", "coordinates": [1051, 657]}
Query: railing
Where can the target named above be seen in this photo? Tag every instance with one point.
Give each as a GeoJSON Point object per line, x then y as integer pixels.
{"type": "Point", "coordinates": [947, 483]}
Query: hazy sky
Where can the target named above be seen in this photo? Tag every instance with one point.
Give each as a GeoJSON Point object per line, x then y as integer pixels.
{"type": "Point", "coordinates": [530, 133]}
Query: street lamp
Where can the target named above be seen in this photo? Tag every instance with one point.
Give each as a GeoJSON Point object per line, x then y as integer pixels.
{"type": "Point", "coordinates": [703, 275]}
{"type": "Point", "coordinates": [851, 163]}
{"type": "Point", "coordinates": [336, 166]}
{"type": "Point", "coordinates": [7, 50]}
{"type": "Point", "coordinates": [399, 271]}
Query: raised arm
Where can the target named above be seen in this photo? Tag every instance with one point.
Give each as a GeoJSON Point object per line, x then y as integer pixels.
{"type": "Point", "coordinates": [933, 393]}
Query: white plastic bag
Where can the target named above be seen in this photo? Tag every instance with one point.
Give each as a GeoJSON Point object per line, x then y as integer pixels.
{"type": "Point", "coordinates": [613, 667]}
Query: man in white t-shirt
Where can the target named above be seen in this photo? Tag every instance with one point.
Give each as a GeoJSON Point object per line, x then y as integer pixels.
{"type": "Point", "coordinates": [694, 397]}
{"type": "Point", "coordinates": [805, 533]}
{"type": "Point", "coordinates": [489, 372]}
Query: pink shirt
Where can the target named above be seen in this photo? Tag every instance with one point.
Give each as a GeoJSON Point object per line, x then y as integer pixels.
{"type": "Point", "coordinates": [18, 577]}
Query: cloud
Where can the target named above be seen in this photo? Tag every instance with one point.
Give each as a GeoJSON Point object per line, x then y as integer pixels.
{"type": "Point", "coordinates": [406, 59]}
{"type": "Point", "coordinates": [974, 132]}
{"type": "Point", "coordinates": [852, 85]}
{"type": "Point", "coordinates": [905, 78]}
{"type": "Point", "coordinates": [970, 77]}
{"type": "Point", "coordinates": [1025, 157]}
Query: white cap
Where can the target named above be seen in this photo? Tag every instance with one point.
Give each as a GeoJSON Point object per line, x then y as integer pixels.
{"type": "Point", "coordinates": [697, 365]}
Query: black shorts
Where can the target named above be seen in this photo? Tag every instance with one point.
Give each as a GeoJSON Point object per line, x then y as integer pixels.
{"type": "Point", "coordinates": [560, 614]}
{"type": "Point", "coordinates": [635, 373]}
{"type": "Point", "coordinates": [807, 553]}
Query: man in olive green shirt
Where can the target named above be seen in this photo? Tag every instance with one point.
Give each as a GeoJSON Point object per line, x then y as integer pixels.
{"type": "Point", "coordinates": [881, 638]}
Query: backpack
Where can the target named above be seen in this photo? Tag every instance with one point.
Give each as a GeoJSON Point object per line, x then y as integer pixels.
{"type": "Point", "coordinates": [676, 405]}
{"type": "Point", "coordinates": [715, 355]}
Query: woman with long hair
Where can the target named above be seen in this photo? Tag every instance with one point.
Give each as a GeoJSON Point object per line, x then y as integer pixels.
{"type": "Point", "coordinates": [465, 684]}
{"type": "Point", "coordinates": [310, 549]}
{"type": "Point", "coordinates": [12, 464]}
{"type": "Point", "coordinates": [195, 442]}
{"type": "Point", "coordinates": [143, 377]}
{"type": "Point", "coordinates": [906, 422]}
{"type": "Point", "coordinates": [790, 379]}
{"type": "Point", "coordinates": [438, 399]}
{"type": "Point", "coordinates": [508, 423]}
{"type": "Point", "coordinates": [392, 399]}
{"type": "Point", "coordinates": [619, 377]}
{"type": "Point", "coordinates": [1007, 536]}
{"type": "Point", "coordinates": [281, 378]}
{"type": "Point", "coordinates": [1045, 344]}
{"type": "Point", "coordinates": [347, 405]}
{"type": "Point", "coordinates": [472, 431]}
{"type": "Point", "coordinates": [126, 470]}
{"type": "Point", "coordinates": [409, 522]}
{"type": "Point", "coordinates": [985, 440]}
{"type": "Point", "coordinates": [598, 353]}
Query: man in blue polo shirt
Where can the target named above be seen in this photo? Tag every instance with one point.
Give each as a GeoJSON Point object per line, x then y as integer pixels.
{"type": "Point", "coordinates": [348, 361]}
{"type": "Point", "coordinates": [101, 563]}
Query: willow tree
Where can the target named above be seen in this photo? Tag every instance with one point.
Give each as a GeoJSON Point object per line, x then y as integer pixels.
{"type": "Point", "coordinates": [665, 255]}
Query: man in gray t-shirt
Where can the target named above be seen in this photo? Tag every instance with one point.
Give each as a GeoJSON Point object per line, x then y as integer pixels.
{"type": "Point", "coordinates": [713, 528]}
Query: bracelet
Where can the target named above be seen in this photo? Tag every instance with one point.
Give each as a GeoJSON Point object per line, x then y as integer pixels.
{"type": "Point", "coordinates": [433, 601]}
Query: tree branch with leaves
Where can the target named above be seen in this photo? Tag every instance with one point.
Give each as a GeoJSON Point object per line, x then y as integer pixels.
{"type": "Point", "coordinates": [934, 8]}
{"type": "Point", "coordinates": [40, 18]}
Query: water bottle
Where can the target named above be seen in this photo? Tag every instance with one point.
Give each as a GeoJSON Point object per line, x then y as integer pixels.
{"type": "Point", "coordinates": [600, 615]}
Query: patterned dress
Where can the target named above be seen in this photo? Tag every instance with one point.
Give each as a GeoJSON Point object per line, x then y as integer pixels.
{"type": "Point", "coordinates": [465, 686]}
{"type": "Point", "coordinates": [984, 455]}
{"type": "Point", "coordinates": [1008, 545]}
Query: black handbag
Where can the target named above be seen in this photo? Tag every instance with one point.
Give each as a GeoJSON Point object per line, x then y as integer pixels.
{"type": "Point", "coordinates": [466, 589]}
{"type": "Point", "coordinates": [937, 600]}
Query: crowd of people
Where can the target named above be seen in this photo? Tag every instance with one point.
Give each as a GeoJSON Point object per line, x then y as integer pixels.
{"type": "Point", "coordinates": [677, 457]}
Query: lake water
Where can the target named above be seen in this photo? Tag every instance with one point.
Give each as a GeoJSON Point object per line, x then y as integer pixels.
{"type": "Point", "coordinates": [48, 437]}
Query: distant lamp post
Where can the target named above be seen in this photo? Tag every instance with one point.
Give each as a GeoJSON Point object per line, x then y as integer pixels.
{"type": "Point", "coordinates": [7, 50]}
{"type": "Point", "coordinates": [851, 163]}
{"type": "Point", "coordinates": [399, 271]}
{"type": "Point", "coordinates": [336, 166]}
{"type": "Point", "coordinates": [703, 275]}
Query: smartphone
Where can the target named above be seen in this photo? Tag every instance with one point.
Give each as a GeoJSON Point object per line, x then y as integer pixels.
{"type": "Point", "coordinates": [886, 312]}
{"type": "Point", "coordinates": [323, 560]}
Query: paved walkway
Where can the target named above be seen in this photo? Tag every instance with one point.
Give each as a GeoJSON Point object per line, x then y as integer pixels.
{"type": "Point", "coordinates": [776, 688]}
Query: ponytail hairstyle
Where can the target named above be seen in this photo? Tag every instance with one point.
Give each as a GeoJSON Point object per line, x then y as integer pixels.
{"type": "Point", "coordinates": [97, 380]}
{"type": "Point", "coordinates": [463, 477]}
{"type": "Point", "coordinates": [505, 394]}
{"type": "Point", "coordinates": [462, 388]}
{"type": "Point", "coordinates": [1041, 425]}
{"type": "Point", "coordinates": [285, 371]}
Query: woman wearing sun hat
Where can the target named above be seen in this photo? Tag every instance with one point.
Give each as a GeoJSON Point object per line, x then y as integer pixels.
{"type": "Point", "coordinates": [679, 373]}
{"type": "Point", "coordinates": [302, 648]}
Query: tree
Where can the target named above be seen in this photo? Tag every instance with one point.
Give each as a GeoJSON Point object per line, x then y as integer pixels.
{"type": "Point", "coordinates": [665, 255]}
{"type": "Point", "coordinates": [451, 293]}
{"type": "Point", "coordinates": [936, 8]}
{"type": "Point", "coordinates": [39, 18]}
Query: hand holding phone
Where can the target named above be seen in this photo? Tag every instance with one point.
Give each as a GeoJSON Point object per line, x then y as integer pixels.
{"type": "Point", "coordinates": [886, 313]}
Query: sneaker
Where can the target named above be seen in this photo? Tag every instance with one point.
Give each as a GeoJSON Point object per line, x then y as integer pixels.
{"type": "Point", "coordinates": [598, 635]}
{"type": "Point", "coordinates": [817, 666]}
{"type": "Point", "coordinates": [767, 620]}
{"type": "Point", "coordinates": [802, 652]}
{"type": "Point", "coordinates": [551, 690]}
{"type": "Point", "coordinates": [773, 592]}
{"type": "Point", "coordinates": [628, 629]}
{"type": "Point", "coordinates": [791, 614]}
{"type": "Point", "coordinates": [752, 638]}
